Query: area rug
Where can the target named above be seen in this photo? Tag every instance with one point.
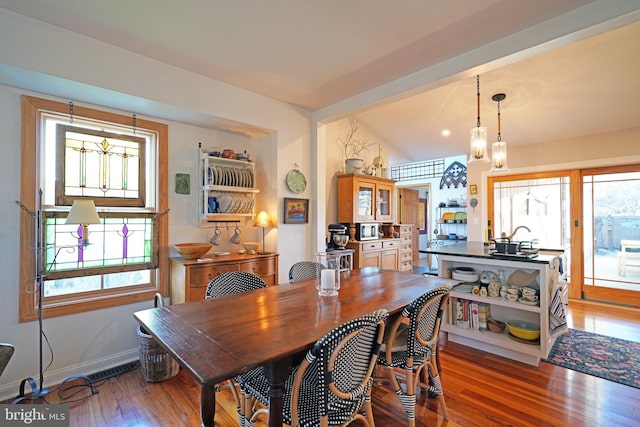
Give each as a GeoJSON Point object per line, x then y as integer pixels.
{"type": "Point", "coordinates": [610, 358]}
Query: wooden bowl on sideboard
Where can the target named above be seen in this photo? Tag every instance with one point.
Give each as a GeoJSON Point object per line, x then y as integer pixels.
{"type": "Point", "coordinates": [193, 250]}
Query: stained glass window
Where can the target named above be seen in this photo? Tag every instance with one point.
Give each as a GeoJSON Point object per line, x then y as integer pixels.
{"type": "Point", "coordinates": [105, 166]}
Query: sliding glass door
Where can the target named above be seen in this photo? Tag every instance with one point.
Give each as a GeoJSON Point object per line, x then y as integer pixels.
{"type": "Point", "coordinates": [611, 235]}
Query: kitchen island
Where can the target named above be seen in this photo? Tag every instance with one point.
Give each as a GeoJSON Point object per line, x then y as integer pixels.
{"type": "Point", "coordinates": [541, 270]}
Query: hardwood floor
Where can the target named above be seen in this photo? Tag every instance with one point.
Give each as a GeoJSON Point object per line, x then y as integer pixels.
{"type": "Point", "coordinates": [480, 390]}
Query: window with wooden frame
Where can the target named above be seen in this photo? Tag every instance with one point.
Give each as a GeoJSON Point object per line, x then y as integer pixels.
{"type": "Point", "coordinates": [120, 163]}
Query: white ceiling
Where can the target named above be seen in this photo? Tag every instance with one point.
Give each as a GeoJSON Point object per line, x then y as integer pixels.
{"type": "Point", "coordinates": [316, 55]}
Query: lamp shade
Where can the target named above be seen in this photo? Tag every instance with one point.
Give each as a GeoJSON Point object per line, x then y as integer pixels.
{"type": "Point", "coordinates": [83, 212]}
{"type": "Point", "coordinates": [263, 220]}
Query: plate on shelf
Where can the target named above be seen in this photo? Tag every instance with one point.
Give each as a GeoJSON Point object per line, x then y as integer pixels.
{"type": "Point", "coordinates": [227, 177]}
{"type": "Point", "coordinates": [465, 287]}
{"type": "Point", "coordinates": [527, 302]}
{"type": "Point", "coordinates": [448, 216]}
{"type": "Point", "coordinates": [214, 180]}
{"type": "Point", "coordinates": [221, 253]}
{"type": "Point", "coordinates": [460, 215]}
{"type": "Point", "coordinates": [221, 175]}
{"type": "Point", "coordinates": [224, 203]}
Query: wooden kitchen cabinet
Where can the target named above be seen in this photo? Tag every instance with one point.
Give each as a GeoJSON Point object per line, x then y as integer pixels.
{"type": "Point", "coordinates": [364, 198]}
{"type": "Point", "coordinates": [383, 253]}
{"type": "Point", "coordinates": [189, 278]}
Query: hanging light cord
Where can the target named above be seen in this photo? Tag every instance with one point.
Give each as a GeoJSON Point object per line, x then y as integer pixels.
{"type": "Point", "coordinates": [478, 97]}
{"type": "Point", "coordinates": [499, 138]}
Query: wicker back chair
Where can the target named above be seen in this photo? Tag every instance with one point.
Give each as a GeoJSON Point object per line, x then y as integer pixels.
{"type": "Point", "coordinates": [233, 282]}
{"type": "Point", "coordinates": [228, 283]}
{"type": "Point", "coordinates": [332, 385]}
{"type": "Point", "coordinates": [304, 270]}
{"type": "Point", "coordinates": [6, 351]}
{"type": "Point", "coordinates": [410, 349]}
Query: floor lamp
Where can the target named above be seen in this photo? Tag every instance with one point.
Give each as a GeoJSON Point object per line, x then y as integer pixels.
{"type": "Point", "coordinates": [83, 212]}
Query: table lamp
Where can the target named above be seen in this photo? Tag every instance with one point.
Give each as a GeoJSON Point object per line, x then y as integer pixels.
{"type": "Point", "coordinates": [83, 212]}
{"type": "Point", "coordinates": [263, 220]}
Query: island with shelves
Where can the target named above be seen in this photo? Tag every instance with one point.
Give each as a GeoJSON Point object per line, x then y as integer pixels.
{"type": "Point", "coordinates": [545, 269]}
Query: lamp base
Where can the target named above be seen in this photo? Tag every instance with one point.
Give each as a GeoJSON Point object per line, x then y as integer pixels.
{"type": "Point", "coordinates": [263, 253]}
{"type": "Point", "coordinates": [38, 394]}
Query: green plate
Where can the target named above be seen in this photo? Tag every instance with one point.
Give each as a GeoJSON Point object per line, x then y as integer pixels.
{"type": "Point", "coordinates": [296, 181]}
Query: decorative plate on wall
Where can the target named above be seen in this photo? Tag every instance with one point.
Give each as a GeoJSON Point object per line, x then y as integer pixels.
{"type": "Point", "coordinates": [296, 181]}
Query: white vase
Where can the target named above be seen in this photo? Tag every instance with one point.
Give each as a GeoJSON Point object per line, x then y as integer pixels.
{"type": "Point", "coordinates": [353, 165]}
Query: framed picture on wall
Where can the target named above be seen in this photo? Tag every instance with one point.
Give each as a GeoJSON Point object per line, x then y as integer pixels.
{"type": "Point", "coordinates": [422, 216]}
{"type": "Point", "coordinates": [296, 211]}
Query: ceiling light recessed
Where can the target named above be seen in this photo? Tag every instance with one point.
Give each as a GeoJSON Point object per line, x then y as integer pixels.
{"type": "Point", "coordinates": [446, 132]}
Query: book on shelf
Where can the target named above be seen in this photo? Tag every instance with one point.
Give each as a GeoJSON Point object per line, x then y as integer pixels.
{"type": "Point", "coordinates": [469, 314]}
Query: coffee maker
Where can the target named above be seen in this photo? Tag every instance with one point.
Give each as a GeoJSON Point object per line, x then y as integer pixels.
{"type": "Point", "coordinates": [338, 237]}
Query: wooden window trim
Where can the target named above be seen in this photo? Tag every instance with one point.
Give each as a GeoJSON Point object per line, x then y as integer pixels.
{"type": "Point", "coordinates": [32, 108]}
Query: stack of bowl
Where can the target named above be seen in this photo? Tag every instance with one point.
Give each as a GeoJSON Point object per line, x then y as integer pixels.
{"type": "Point", "coordinates": [464, 274]}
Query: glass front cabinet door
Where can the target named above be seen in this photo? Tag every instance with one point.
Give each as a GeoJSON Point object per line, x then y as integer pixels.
{"type": "Point", "coordinates": [366, 202]}
{"type": "Point", "coordinates": [384, 200]}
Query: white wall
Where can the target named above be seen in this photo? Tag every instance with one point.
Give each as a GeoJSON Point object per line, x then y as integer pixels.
{"type": "Point", "coordinates": [46, 61]}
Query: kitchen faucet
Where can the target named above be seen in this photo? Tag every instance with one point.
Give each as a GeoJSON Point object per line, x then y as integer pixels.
{"type": "Point", "coordinates": [515, 230]}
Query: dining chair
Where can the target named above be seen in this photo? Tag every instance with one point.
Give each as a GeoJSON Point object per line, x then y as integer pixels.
{"type": "Point", "coordinates": [410, 349]}
{"type": "Point", "coordinates": [332, 385]}
{"type": "Point", "coordinates": [6, 351]}
{"type": "Point", "coordinates": [304, 270]}
{"type": "Point", "coordinates": [228, 283]}
{"type": "Point", "coordinates": [233, 282]}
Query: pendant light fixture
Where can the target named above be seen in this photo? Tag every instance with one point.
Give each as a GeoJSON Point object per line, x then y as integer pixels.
{"type": "Point", "coordinates": [499, 148]}
{"type": "Point", "coordinates": [478, 135]}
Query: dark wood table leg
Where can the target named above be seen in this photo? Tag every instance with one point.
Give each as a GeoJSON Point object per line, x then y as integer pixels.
{"type": "Point", "coordinates": [276, 373]}
{"type": "Point", "coordinates": [208, 404]}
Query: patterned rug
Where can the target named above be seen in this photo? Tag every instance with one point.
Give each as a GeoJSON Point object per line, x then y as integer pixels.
{"type": "Point", "coordinates": [610, 358]}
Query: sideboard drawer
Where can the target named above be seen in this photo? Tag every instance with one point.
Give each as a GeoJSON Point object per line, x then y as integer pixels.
{"type": "Point", "coordinates": [259, 268]}
{"type": "Point", "coordinates": [201, 276]}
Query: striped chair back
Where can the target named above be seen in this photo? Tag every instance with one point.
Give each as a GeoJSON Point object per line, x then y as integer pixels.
{"type": "Point", "coordinates": [304, 270]}
{"type": "Point", "coordinates": [233, 282]}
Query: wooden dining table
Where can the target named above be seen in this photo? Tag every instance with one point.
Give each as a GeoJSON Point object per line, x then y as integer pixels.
{"type": "Point", "coordinates": [217, 339]}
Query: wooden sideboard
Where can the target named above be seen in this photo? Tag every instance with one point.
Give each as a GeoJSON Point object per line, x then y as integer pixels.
{"type": "Point", "coordinates": [189, 278]}
{"type": "Point", "coordinates": [383, 253]}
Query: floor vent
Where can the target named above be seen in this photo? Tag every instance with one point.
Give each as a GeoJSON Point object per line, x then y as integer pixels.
{"type": "Point", "coordinates": [113, 372]}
